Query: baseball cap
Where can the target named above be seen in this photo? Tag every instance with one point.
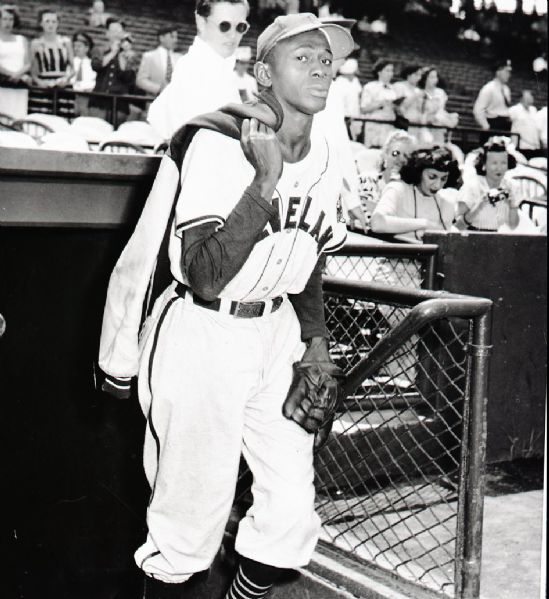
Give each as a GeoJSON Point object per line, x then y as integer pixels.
{"type": "Point", "coordinates": [286, 26]}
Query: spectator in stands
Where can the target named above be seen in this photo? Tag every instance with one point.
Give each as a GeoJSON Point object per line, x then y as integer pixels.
{"type": "Point", "coordinates": [379, 26]}
{"type": "Point", "coordinates": [393, 156]}
{"type": "Point", "coordinates": [491, 108]}
{"type": "Point", "coordinates": [129, 61]}
{"type": "Point", "coordinates": [203, 79]}
{"type": "Point", "coordinates": [98, 17]}
{"type": "Point", "coordinates": [523, 122]}
{"type": "Point", "coordinates": [428, 106]}
{"type": "Point", "coordinates": [364, 29]}
{"type": "Point", "coordinates": [415, 204]}
{"type": "Point", "coordinates": [348, 87]}
{"type": "Point", "coordinates": [116, 74]}
{"type": "Point", "coordinates": [539, 65]}
{"type": "Point", "coordinates": [51, 64]}
{"type": "Point", "coordinates": [377, 103]}
{"type": "Point", "coordinates": [331, 124]}
{"type": "Point", "coordinates": [84, 76]}
{"type": "Point", "coordinates": [406, 89]}
{"type": "Point", "coordinates": [488, 198]}
{"type": "Point", "coordinates": [541, 121]}
{"type": "Point", "coordinates": [246, 84]}
{"type": "Point", "coordinates": [156, 68]}
{"type": "Point", "coordinates": [14, 65]}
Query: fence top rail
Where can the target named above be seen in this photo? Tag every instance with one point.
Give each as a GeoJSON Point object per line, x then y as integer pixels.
{"type": "Point", "coordinates": [422, 314]}
{"type": "Point", "coordinates": [401, 250]}
{"type": "Point", "coordinates": [447, 304]}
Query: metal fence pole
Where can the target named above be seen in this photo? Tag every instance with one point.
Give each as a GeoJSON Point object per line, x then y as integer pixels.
{"type": "Point", "coordinates": [470, 516]}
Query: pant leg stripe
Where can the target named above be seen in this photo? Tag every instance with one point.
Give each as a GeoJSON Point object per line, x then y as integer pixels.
{"type": "Point", "coordinates": [151, 361]}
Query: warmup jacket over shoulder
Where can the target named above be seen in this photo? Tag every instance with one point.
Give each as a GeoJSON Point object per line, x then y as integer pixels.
{"type": "Point", "coordinates": [137, 274]}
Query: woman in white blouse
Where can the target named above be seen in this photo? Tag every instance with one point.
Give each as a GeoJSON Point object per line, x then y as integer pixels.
{"type": "Point", "coordinates": [429, 107]}
{"type": "Point", "coordinates": [489, 199]}
{"type": "Point", "coordinates": [14, 66]}
{"type": "Point", "coordinates": [415, 204]}
{"type": "Point", "coordinates": [377, 103]}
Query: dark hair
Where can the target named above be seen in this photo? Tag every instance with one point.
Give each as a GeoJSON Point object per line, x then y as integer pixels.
{"type": "Point", "coordinates": [424, 74]}
{"type": "Point", "coordinates": [77, 37]}
{"type": "Point", "coordinates": [380, 64]}
{"type": "Point", "coordinates": [14, 13]}
{"type": "Point", "coordinates": [166, 29]}
{"type": "Point", "coordinates": [438, 158]}
{"type": "Point", "coordinates": [492, 145]}
{"type": "Point", "coordinates": [501, 64]}
{"type": "Point", "coordinates": [46, 11]}
{"type": "Point", "coordinates": [112, 20]}
{"type": "Point", "coordinates": [409, 70]}
{"type": "Point", "coordinates": [204, 7]}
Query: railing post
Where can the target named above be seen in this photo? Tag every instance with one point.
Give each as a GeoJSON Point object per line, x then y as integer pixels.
{"type": "Point", "coordinates": [471, 496]}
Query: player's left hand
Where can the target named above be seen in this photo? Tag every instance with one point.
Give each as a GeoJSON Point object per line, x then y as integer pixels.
{"type": "Point", "coordinates": [262, 150]}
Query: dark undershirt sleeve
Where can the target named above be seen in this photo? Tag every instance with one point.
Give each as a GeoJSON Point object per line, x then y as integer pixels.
{"type": "Point", "coordinates": [309, 304]}
{"type": "Point", "coordinates": [212, 258]}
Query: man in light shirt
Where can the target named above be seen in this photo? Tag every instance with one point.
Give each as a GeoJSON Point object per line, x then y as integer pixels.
{"type": "Point", "coordinates": [203, 79]}
{"type": "Point", "coordinates": [491, 108]}
{"type": "Point", "coordinates": [245, 83]}
{"type": "Point", "coordinates": [156, 68]}
{"type": "Point", "coordinates": [523, 119]}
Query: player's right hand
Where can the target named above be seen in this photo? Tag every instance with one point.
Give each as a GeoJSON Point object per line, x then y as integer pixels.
{"type": "Point", "coordinates": [262, 150]}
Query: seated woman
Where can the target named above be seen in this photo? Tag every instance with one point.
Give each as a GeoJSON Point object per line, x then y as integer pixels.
{"type": "Point", "coordinates": [415, 203]}
{"type": "Point", "coordinates": [489, 199]}
{"type": "Point", "coordinates": [394, 153]}
{"type": "Point", "coordinates": [428, 107]}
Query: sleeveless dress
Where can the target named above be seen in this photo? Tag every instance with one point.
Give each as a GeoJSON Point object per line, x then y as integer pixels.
{"type": "Point", "coordinates": [13, 96]}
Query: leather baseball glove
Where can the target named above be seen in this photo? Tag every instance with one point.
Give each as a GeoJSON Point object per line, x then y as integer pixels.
{"type": "Point", "coordinates": [313, 397]}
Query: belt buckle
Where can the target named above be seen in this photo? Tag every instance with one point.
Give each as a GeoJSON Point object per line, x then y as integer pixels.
{"type": "Point", "coordinates": [248, 309]}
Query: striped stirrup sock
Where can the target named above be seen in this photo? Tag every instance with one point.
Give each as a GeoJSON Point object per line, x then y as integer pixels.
{"type": "Point", "coordinates": [244, 588]}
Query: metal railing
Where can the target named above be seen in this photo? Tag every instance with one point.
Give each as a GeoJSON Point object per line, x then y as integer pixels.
{"type": "Point", "coordinates": [467, 138]}
{"type": "Point", "coordinates": [400, 482]}
{"type": "Point", "coordinates": [405, 264]}
{"type": "Point", "coordinates": [62, 95]}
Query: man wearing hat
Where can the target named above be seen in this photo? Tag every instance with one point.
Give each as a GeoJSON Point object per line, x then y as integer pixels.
{"type": "Point", "coordinates": [257, 207]}
{"type": "Point", "coordinates": [245, 83]}
{"type": "Point", "coordinates": [491, 108]}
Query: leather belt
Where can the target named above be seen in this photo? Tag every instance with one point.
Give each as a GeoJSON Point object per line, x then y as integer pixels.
{"type": "Point", "coordinates": [236, 309]}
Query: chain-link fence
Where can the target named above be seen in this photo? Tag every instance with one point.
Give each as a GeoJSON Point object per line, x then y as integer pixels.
{"type": "Point", "coordinates": [404, 264]}
{"type": "Point", "coordinates": [399, 482]}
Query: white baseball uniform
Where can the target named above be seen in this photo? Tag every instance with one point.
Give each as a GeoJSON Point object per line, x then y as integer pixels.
{"type": "Point", "coordinates": [212, 384]}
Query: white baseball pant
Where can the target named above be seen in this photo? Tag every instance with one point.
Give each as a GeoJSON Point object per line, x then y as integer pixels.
{"type": "Point", "coordinates": [212, 386]}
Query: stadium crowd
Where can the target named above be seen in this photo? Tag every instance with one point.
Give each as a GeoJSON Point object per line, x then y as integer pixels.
{"type": "Point", "coordinates": [407, 177]}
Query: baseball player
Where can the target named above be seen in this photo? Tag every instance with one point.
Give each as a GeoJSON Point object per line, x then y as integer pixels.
{"type": "Point", "coordinates": [253, 219]}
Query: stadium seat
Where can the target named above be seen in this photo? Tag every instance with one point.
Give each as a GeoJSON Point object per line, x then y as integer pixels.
{"type": "Point", "coordinates": [6, 119]}
{"type": "Point", "coordinates": [17, 139]}
{"type": "Point", "coordinates": [367, 160]}
{"type": "Point", "coordinates": [92, 129]}
{"type": "Point", "coordinates": [56, 123]}
{"type": "Point", "coordinates": [538, 162]}
{"type": "Point", "coordinates": [65, 141]}
{"type": "Point", "coordinates": [138, 132]}
{"type": "Point", "coordinates": [35, 129]}
{"type": "Point", "coordinates": [117, 146]}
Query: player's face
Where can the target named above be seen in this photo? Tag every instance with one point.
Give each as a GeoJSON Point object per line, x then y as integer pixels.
{"type": "Point", "coordinates": [49, 22]}
{"type": "Point", "coordinates": [432, 181]}
{"type": "Point", "coordinates": [216, 33]}
{"type": "Point", "coordinates": [301, 71]}
{"type": "Point", "coordinates": [496, 165]}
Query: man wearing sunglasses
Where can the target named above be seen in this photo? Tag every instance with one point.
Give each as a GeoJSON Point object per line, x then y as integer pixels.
{"type": "Point", "coordinates": [203, 79]}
